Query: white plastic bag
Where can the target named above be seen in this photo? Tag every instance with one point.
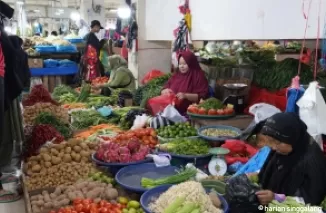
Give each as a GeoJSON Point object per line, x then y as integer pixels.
{"type": "Point", "coordinates": [161, 160]}
{"type": "Point", "coordinates": [140, 121]}
{"type": "Point", "coordinates": [173, 115]}
{"type": "Point", "coordinates": [312, 109]}
{"type": "Point", "coordinates": [262, 111]}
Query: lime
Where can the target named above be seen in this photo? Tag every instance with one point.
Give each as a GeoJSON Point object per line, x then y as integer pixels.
{"type": "Point", "coordinates": [132, 210]}
{"type": "Point", "coordinates": [123, 200]}
{"type": "Point", "coordinates": [125, 211]}
{"type": "Point", "coordinates": [133, 204]}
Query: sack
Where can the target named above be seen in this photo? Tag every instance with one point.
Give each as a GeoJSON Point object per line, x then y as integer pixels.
{"type": "Point", "coordinates": [173, 115]}
{"type": "Point", "coordinates": [151, 75]}
{"type": "Point", "coordinates": [241, 195]}
{"type": "Point", "coordinates": [158, 104]}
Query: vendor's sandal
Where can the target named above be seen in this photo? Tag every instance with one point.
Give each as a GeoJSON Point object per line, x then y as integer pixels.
{"type": "Point", "coordinates": [9, 179]}
{"type": "Point", "coordinates": [8, 197]}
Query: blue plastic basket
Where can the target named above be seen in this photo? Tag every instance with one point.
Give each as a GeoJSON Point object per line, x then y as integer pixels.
{"type": "Point", "coordinates": [130, 177]}
{"type": "Point", "coordinates": [45, 49]}
{"type": "Point", "coordinates": [221, 138]}
{"type": "Point", "coordinates": [75, 40]}
{"type": "Point", "coordinates": [51, 63]}
{"type": "Point", "coordinates": [152, 194]}
{"type": "Point", "coordinates": [66, 49]}
{"type": "Point", "coordinates": [115, 167]}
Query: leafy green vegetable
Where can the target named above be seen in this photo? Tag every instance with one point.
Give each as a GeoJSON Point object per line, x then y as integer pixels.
{"type": "Point", "coordinates": [48, 118]}
{"type": "Point", "coordinates": [67, 98]}
{"type": "Point", "coordinates": [182, 176]}
{"type": "Point", "coordinates": [86, 118]}
{"type": "Point", "coordinates": [100, 101]}
{"type": "Point", "coordinates": [186, 146]}
{"type": "Point", "coordinates": [211, 103]}
{"type": "Point", "coordinates": [62, 90]}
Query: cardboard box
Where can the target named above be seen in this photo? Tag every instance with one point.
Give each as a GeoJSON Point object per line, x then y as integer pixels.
{"type": "Point", "coordinates": [35, 63]}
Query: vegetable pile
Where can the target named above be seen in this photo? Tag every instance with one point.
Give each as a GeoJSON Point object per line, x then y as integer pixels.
{"type": "Point", "coordinates": [186, 147]}
{"type": "Point", "coordinates": [144, 136]}
{"type": "Point", "coordinates": [125, 116]}
{"type": "Point", "coordinates": [179, 130]}
{"type": "Point", "coordinates": [123, 152]}
{"type": "Point", "coordinates": [100, 81]}
{"type": "Point", "coordinates": [63, 196]}
{"type": "Point", "coordinates": [59, 164]}
{"type": "Point", "coordinates": [94, 131]}
{"type": "Point", "coordinates": [39, 94]}
{"type": "Point", "coordinates": [40, 135]}
{"type": "Point", "coordinates": [47, 118]}
{"type": "Point", "coordinates": [214, 132]}
{"type": "Point", "coordinates": [101, 177]}
{"type": "Point", "coordinates": [151, 89]}
{"type": "Point", "coordinates": [30, 113]}
{"type": "Point", "coordinates": [211, 106]}
{"type": "Point", "coordinates": [179, 196]}
{"type": "Point", "coordinates": [183, 175]}
{"type": "Point", "coordinates": [289, 203]}
{"type": "Point", "coordinates": [82, 119]}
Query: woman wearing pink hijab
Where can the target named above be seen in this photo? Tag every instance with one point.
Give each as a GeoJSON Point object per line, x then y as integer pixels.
{"type": "Point", "coordinates": [189, 83]}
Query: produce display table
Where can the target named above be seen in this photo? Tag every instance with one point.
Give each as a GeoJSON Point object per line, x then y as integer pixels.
{"type": "Point", "coordinates": [51, 77]}
{"type": "Point", "coordinates": [239, 121]}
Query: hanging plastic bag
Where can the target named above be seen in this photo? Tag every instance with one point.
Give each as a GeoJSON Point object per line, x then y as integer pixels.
{"type": "Point", "coordinates": [171, 113]}
{"type": "Point", "coordinates": [151, 75]}
{"type": "Point", "coordinates": [262, 111]}
{"type": "Point", "coordinates": [241, 195]}
{"type": "Point", "coordinates": [140, 121]}
{"type": "Point", "coordinates": [312, 109]}
{"type": "Point", "coordinates": [158, 104]}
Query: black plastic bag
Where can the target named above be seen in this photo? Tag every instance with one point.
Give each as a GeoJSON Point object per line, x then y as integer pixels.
{"type": "Point", "coordinates": [241, 195]}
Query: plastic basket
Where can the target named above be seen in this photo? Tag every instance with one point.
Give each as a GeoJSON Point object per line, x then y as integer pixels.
{"type": "Point", "coordinates": [75, 40]}
{"type": "Point", "coordinates": [50, 63]}
{"type": "Point", "coordinates": [45, 49]}
{"type": "Point", "coordinates": [66, 49]}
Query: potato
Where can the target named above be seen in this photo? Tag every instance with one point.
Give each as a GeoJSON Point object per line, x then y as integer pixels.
{"type": "Point", "coordinates": [68, 150]}
{"type": "Point", "coordinates": [47, 164]}
{"type": "Point", "coordinates": [46, 157]}
{"type": "Point", "coordinates": [111, 194]}
{"type": "Point", "coordinates": [77, 158]}
{"type": "Point", "coordinates": [44, 150]}
{"type": "Point", "coordinates": [77, 149]}
{"type": "Point", "coordinates": [84, 146]}
{"type": "Point", "coordinates": [55, 160]}
{"type": "Point", "coordinates": [36, 168]}
{"type": "Point", "coordinates": [67, 158]}
{"type": "Point", "coordinates": [54, 152]}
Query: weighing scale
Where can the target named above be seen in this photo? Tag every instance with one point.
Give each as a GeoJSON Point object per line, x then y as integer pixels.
{"type": "Point", "coordinates": [217, 165]}
{"type": "Point", "coordinates": [235, 99]}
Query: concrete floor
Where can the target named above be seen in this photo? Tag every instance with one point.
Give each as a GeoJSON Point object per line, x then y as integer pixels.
{"type": "Point", "coordinates": [14, 207]}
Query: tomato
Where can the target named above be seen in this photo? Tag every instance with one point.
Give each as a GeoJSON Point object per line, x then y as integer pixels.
{"type": "Point", "coordinates": [192, 109]}
{"type": "Point", "coordinates": [52, 211]}
{"type": "Point", "coordinates": [220, 112]}
{"type": "Point", "coordinates": [229, 111]}
{"type": "Point", "coordinates": [102, 203]}
{"type": "Point", "coordinates": [212, 112]}
{"type": "Point", "coordinates": [104, 210]}
{"type": "Point", "coordinates": [94, 210]}
{"type": "Point", "coordinates": [202, 111]}
{"type": "Point", "coordinates": [86, 207]}
{"type": "Point", "coordinates": [73, 211]}
{"type": "Point", "coordinates": [93, 205]}
{"type": "Point", "coordinates": [79, 207]}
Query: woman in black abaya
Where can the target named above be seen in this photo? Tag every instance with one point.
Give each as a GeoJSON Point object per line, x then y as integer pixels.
{"type": "Point", "coordinates": [296, 165]}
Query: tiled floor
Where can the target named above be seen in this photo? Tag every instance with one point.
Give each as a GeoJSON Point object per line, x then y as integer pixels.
{"type": "Point", "coordinates": [15, 207]}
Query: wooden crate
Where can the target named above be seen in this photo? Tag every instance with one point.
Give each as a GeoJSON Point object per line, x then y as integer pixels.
{"type": "Point", "coordinates": [35, 63]}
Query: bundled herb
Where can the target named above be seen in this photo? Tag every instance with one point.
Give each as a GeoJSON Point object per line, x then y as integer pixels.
{"type": "Point", "coordinates": [67, 98]}
{"type": "Point", "coordinates": [99, 101]}
{"type": "Point", "coordinates": [83, 119]}
{"type": "Point", "coordinates": [182, 176]}
{"type": "Point", "coordinates": [84, 92]}
{"type": "Point", "coordinates": [48, 118]}
{"type": "Point", "coordinates": [211, 103]}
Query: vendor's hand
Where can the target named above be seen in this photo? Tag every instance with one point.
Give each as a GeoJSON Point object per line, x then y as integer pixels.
{"type": "Point", "coordinates": [166, 91]}
{"type": "Point", "coordinates": [265, 196]}
{"type": "Point", "coordinates": [181, 96]}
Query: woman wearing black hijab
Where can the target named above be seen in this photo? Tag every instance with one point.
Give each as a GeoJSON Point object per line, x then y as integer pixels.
{"type": "Point", "coordinates": [296, 165]}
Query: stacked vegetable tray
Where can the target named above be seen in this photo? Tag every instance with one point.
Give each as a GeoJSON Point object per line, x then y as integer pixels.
{"type": "Point", "coordinates": [211, 108]}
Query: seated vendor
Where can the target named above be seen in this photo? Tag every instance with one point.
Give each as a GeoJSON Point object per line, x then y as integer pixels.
{"type": "Point", "coordinates": [189, 83]}
{"type": "Point", "coordinates": [120, 76]}
{"type": "Point", "coordinates": [296, 165]}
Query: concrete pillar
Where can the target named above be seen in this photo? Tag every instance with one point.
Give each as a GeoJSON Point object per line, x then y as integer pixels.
{"type": "Point", "coordinates": [151, 55]}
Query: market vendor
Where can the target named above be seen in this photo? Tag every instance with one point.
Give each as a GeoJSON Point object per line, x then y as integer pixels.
{"type": "Point", "coordinates": [189, 83]}
{"type": "Point", "coordinates": [296, 165]}
{"type": "Point", "coordinates": [120, 76]}
{"type": "Point", "coordinates": [91, 67]}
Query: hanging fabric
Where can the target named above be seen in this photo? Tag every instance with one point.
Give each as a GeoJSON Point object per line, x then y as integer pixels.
{"type": "Point", "coordinates": [322, 60]}
{"type": "Point", "coordinates": [133, 28]}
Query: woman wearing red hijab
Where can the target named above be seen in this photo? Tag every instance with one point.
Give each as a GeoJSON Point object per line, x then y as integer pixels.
{"type": "Point", "coordinates": [189, 83]}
